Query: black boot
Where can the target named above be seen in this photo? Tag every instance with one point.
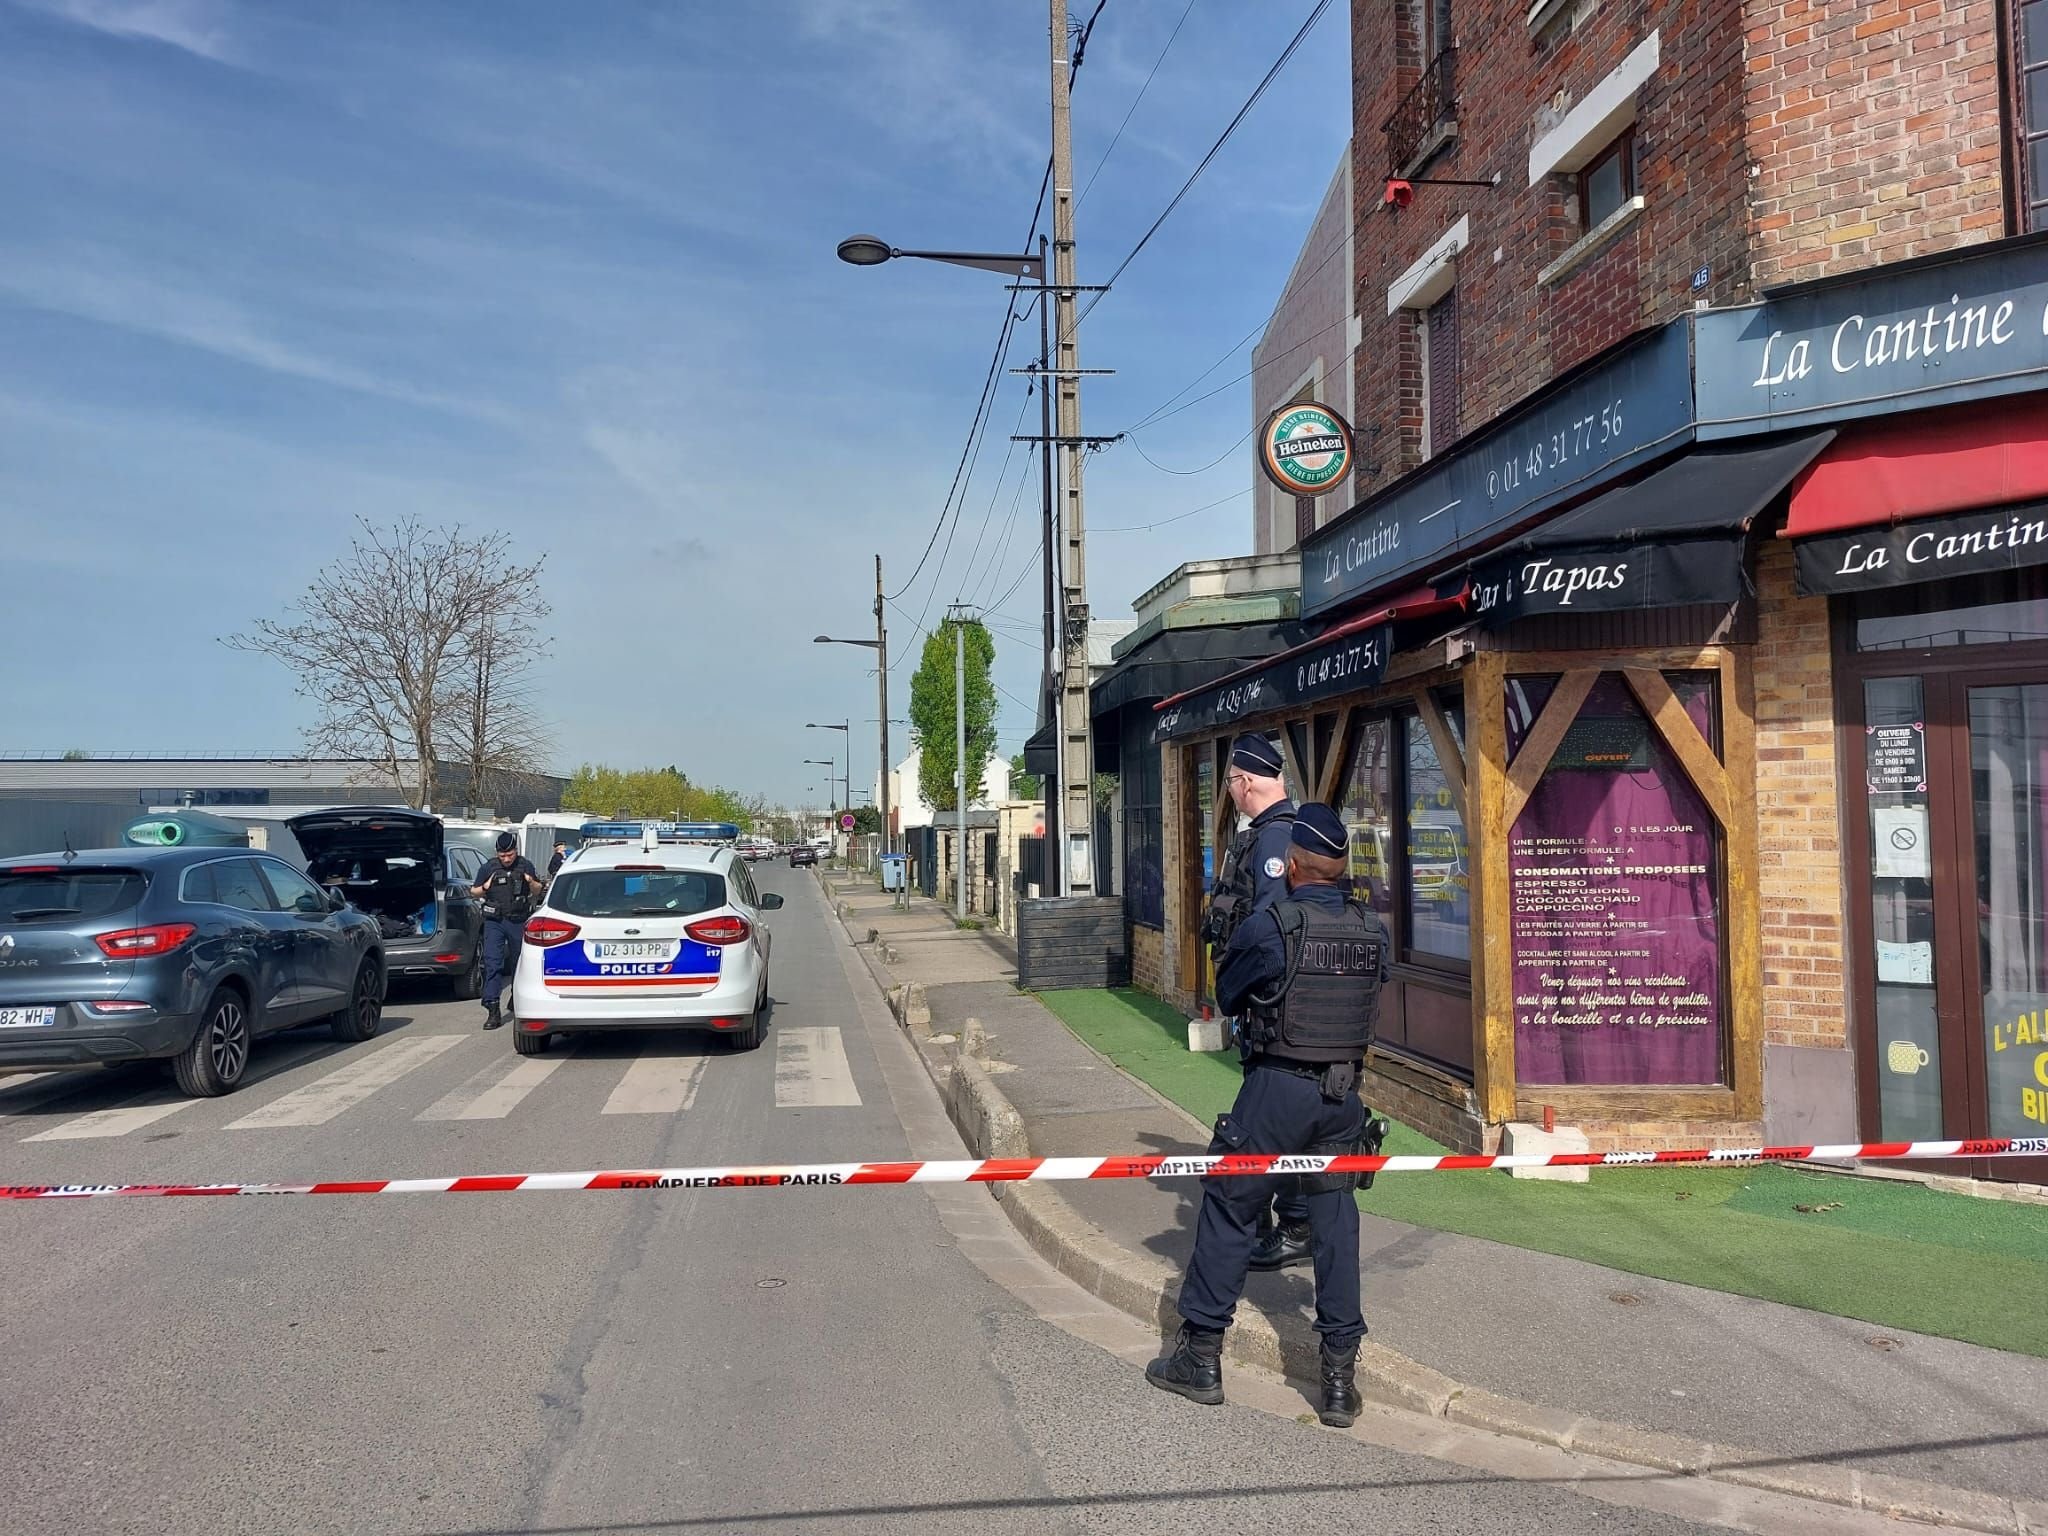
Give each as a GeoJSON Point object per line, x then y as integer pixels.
{"type": "Point", "coordinates": [492, 1018]}
{"type": "Point", "coordinates": [1194, 1369]}
{"type": "Point", "coordinates": [1340, 1386]}
{"type": "Point", "coordinates": [1278, 1247]}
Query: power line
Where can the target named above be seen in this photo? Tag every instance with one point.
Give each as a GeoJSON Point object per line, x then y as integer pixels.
{"type": "Point", "coordinates": [1120, 127]}
{"type": "Point", "coordinates": [1208, 506]}
{"type": "Point", "coordinates": [977, 426]}
{"type": "Point", "coordinates": [1226, 453]}
{"type": "Point", "coordinates": [1214, 150]}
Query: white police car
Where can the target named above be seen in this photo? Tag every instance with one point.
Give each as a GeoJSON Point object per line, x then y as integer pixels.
{"type": "Point", "coordinates": [647, 926]}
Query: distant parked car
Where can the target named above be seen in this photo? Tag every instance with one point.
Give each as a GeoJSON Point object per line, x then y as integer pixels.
{"type": "Point", "coordinates": [188, 955]}
{"type": "Point", "coordinates": [401, 868]}
{"type": "Point", "coordinates": [803, 853]}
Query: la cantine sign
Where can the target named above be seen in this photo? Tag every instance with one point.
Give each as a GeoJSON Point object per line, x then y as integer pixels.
{"type": "Point", "coordinates": [1306, 448]}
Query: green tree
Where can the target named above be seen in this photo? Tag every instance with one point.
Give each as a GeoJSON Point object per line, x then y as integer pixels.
{"type": "Point", "coordinates": [1023, 785]}
{"type": "Point", "coordinates": [932, 716]}
{"type": "Point", "coordinates": [653, 793]}
{"type": "Point", "coordinates": [867, 821]}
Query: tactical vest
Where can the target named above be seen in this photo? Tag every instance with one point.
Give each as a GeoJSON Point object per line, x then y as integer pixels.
{"type": "Point", "coordinates": [1230, 903]}
{"type": "Point", "coordinates": [506, 893]}
{"type": "Point", "coordinates": [1329, 999]}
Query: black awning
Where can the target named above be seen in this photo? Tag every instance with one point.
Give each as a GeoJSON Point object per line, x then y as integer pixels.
{"type": "Point", "coordinates": [1040, 755]}
{"type": "Point", "coordinates": [1178, 661]}
{"type": "Point", "coordinates": [1671, 539]}
{"type": "Point", "coordinates": [1980, 543]}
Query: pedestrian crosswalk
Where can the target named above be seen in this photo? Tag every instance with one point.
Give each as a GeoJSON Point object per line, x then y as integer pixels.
{"type": "Point", "coordinates": [665, 1077]}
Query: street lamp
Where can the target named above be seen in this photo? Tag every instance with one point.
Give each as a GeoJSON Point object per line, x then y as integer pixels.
{"type": "Point", "coordinates": [880, 646]}
{"type": "Point", "coordinates": [873, 251]}
{"type": "Point", "coordinates": [831, 779]}
{"type": "Point", "coordinates": [847, 778]}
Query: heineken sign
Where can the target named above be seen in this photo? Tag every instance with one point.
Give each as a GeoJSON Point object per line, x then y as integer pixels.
{"type": "Point", "coordinates": [1306, 448]}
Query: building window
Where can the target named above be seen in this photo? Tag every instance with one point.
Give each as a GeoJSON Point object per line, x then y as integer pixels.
{"type": "Point", "coordinates": [1435, 867]}
{"type": "Point", "coordinates": [1409, 861]}
{"type": "Point", "coordinates": [1440, 375]}
{"type": "Point", "coordinates": [2031, 53]}
{"type": "Point", "coordinates": [1609, 180]}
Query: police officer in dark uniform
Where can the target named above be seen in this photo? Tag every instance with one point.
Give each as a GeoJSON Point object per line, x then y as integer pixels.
{"type": "Point", "coordinates": [1253, 875]}
{"type": "Point", "coordinates": [508, 889]}
{"type": "Point", "coordinates": [1306, 974]}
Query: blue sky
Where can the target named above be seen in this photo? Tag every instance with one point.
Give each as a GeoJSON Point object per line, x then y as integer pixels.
{"type": "Point", "coordinates": [566, 269]}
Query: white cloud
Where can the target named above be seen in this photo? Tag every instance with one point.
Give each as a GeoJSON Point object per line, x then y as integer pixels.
{"type": "Point", "coordinates": [195, 26]}
{"type": "Point", "coordinates": [92, 287]}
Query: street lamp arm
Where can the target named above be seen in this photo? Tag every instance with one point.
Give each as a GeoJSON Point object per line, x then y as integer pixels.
{"type": "Point", "coordinates": [871, 251]}
{"type": "Point", "coordinates": [835, 640]}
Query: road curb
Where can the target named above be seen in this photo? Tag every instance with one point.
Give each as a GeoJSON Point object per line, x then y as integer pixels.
{"type": "Point", "coordinates": [1145, 1287]}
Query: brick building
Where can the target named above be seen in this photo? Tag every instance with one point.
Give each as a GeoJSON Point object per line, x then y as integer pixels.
{"type": "Point", "coordinates": [1681, 653]}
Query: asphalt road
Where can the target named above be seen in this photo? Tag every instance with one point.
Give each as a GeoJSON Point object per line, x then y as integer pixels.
{"type": "Point", "coordinates": [877, 1359]}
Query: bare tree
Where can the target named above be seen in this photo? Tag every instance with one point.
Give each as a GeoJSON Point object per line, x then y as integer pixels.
{"type": "Point", "coordinates": [382, 641]}
{"type": "Point", "coordinates": [496, 734]}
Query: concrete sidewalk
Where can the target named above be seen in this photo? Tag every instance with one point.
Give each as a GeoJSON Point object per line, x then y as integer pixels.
{"type": "Point", "coordinates": [1525, 1343]}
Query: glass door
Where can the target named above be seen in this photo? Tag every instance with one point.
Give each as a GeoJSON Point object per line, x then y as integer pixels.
{"type": "Point", "coordinates": [1950, 883]}
{"type": "Point", "coordinates": [2008, 746]}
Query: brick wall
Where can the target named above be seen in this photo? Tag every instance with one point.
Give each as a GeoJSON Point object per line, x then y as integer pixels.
{"type": "Point", "coordinates": [1517, 334]}
{"type": "Point", "coordinates": [1801, 881]}
{"type": "Point", "coordinates": [1148, 960]}
{"type": "Point", "coordinates": [1874, 126]}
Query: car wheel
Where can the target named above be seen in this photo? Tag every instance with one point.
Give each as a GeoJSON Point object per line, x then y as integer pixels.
{"type": "Point", "coordinates": [365, 1011]}
{"type": "Point", "coordinates": [749, 1038]}
{"type": "Point", "coordinates": [470, 983]}
{"type": "Point", "coordinates": [529, 1042]}
{"type": "Point", "coordinates": [219, 1053]}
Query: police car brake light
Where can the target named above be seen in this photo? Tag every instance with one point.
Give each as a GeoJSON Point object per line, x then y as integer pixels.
{"type": "Point", "coordinates": [720, 930]}
{"type": "Point", "coordinates": [545, 932]}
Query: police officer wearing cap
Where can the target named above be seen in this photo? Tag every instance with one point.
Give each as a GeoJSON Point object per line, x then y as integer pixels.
{"type": "Point", "coordinates": [1253, 875]}
{"type": "Point", "coordinates": [1306, 973]}
{"type": "Point", "coordinates": [508, 889]}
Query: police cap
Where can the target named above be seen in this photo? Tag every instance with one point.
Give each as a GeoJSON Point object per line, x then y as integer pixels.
{"type": "Point", "coordinates": [1255, 754]}
{"type": "Point", "coordinates": [1318, 829]}
{"type": "Point", "coordinates": [507, 843]}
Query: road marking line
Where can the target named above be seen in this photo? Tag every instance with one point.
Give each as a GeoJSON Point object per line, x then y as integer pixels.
{"type": "Point", "coordinates": [493, 1093]}
{"type": "Point", "coordinates": [340, 1090]}
{"type": "Point", "coordinates": [811, 1070]}
{"type": "Point", "coordinates": [657, 1085]}
{"type": "Point", "coordinates": [118, 1121]}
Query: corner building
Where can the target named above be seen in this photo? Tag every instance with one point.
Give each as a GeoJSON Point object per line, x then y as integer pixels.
{"type": "Point", "coordinates": [1680, 652]}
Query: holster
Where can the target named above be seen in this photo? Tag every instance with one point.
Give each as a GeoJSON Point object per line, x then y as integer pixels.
{"type": "Point", "coordinates": [1220, 921]}
{"type": "Point", "coordinates": [1368, 1142]}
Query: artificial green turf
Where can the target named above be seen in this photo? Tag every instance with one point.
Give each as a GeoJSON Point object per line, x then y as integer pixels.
{"type": "Point", "coordinates": [1892, 1253]}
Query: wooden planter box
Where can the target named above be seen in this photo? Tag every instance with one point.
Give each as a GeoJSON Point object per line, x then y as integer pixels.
{"type": "Point", "coordinates": [1072, 941]}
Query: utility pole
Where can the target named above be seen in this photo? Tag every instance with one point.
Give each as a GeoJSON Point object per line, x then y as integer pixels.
{"type": "Point", "coordinates": [1053, 874]}
{"type": "Point", "coordinates": [958, 616]}
{"type": "Point", "coordinates": [1076, 759]}
{"type": "Point", "coordinates": [882, 675]}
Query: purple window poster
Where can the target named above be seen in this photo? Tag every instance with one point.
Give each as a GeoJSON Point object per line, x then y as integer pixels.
{"type": "Point", "coordinates": [1613, 882]}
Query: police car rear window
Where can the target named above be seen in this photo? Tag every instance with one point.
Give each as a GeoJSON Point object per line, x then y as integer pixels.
{"type": "Point", "coordinates": [636, 893]}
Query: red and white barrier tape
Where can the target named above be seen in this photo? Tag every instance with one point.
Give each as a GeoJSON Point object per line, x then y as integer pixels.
{"type": "Point", "coordinates": [1007, 1170]}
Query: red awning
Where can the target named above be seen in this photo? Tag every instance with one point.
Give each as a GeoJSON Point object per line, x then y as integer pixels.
{"type": "Point", "coordinates": [1418, 604]}
{"type": "Point", "coordinates": [1946, 461]}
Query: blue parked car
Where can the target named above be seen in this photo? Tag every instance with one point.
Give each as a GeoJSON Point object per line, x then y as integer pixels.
{"type": "Point", "coordinates": [188, 955]}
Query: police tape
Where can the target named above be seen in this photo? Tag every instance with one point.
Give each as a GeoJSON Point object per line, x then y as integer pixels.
{"type": "Point", "coordinates": [1004, 1170]}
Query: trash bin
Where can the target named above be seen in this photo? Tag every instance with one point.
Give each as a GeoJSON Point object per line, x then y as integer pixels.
{"type": "Point", "coordinates": [892, 871]}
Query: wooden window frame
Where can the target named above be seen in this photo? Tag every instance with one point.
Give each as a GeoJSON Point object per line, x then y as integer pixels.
{"type": "Point", "coordinates": [1622, 146]}
{"type": "Point", "coordinates": [1726, 783]}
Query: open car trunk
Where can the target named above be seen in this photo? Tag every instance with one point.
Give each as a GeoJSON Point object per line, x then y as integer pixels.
{"type": "Point", "coordinates": [387, 863]}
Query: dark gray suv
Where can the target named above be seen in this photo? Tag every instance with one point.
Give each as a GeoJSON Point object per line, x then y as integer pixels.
{"type": "Point", "coordinates": [180, 954]}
